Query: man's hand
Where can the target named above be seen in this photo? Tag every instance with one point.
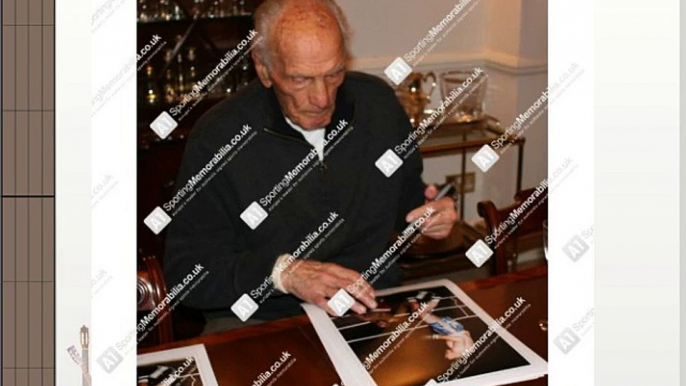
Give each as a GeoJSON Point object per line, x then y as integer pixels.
{"type": "Point", "coordinates": [316, 282]}
{"type": "Point", "coordinates": [440, 223]}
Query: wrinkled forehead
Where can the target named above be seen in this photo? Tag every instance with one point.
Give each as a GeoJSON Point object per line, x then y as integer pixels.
{"type": "Point", "coordinates": [310, 55]}
{"type": "Point", "coordinates": [307, 35]}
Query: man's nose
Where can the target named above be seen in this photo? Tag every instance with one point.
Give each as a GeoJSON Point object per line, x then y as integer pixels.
{"type": "Point", "coordinates": [319, 94]}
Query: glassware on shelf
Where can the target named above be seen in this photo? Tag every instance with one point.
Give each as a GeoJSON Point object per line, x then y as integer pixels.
{"type": "Point", "coordinates": [469, 105]}
{"type": "Point", "coordinates": [143, 11]}
{"type": "Point", "coordinates": [216, 9]}
{"type": "Point", "coordinates": [169, 91]}
{"type": "Point", "coordinates": [167, 55]}
{"type": "Point", "coordinates": [152, 95]}
{"type": "Point", "coordinates": [180, 75]}
{"type": "Point", "coordinates": [177, 64]}
{"type": "Point", "coordinates": [228, 8]}
{"type": "Point", "coordinates": [228, 85]}
{"type": "Point", "coordinates": [165, 10]}
{"type": "Point", "coordinates": [244, 72]}
{"type": "Point", "coordinates": [153, 10]}
{"type": "Point", "coordinates": [415, 96]}
{"type": "Point", "coordinates": [177, 14]}
{"type": "Point", "coordinates": [168, 85]}
{"type": "Point", "coordinates": [198, 8]}
{"type": "Point", "coordinates": [192, 74]}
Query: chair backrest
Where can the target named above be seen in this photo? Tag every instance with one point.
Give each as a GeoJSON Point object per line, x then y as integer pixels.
{"type": "Point", "coordinates": [151, 291]}
{"type": "Point", "coordinates": [529, 211]}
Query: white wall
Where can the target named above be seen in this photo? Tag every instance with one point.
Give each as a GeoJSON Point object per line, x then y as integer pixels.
{"type": "Point", "coordinates": [385, 29]}
{"type": "Point", "coordinates": [507, 38]}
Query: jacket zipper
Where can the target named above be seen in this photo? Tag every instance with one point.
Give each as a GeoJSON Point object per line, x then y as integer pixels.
{"type": "Point", "coordinates": [322, 165]}
{"type": "Point", "coordinates": [270, 131]}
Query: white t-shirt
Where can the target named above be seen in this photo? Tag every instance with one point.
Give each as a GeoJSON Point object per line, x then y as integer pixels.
{"type": "Point", "coordinates": [314, 137]}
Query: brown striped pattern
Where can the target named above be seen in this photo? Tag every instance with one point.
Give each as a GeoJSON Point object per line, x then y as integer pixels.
{"type": "Point", "coordinates": [28, 192]}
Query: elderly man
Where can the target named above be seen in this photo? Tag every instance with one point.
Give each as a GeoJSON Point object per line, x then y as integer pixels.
{"type": "Point", "coordinates": [340, 206]}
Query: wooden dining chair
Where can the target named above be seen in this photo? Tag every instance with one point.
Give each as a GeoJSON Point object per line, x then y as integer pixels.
{"type": "Point", "coordinates": [527, 234]}
{"type": "Point", "coordinates": [151, 291]}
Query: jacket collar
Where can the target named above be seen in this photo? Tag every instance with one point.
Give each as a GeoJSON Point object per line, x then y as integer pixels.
{"type": "Point", "coordinates": [276, 122]}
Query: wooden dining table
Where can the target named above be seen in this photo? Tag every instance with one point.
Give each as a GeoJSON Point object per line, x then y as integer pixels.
{"type": "Point", "coordinates": [239, 356]}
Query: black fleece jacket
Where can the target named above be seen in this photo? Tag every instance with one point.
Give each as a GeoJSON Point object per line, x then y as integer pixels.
{"type": "Point", "coordinates": [208, 229]}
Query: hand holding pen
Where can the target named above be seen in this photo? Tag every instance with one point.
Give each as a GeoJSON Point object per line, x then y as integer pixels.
{"type": "Point", "coordinates": [440, 223]}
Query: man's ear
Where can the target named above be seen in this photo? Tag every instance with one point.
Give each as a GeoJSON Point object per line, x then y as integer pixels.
{"type": "Point", "coordinates": [261, 69]}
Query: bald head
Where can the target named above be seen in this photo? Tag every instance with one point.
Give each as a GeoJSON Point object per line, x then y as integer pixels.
{"type": "Point", "coordinates": [302, 54]}
{"type": "Point", "coordinates": [276, 22]}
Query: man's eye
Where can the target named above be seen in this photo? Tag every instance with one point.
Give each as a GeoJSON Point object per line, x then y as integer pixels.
{"type": "Point", "coordinates": [332, 78]}
{"type": "Point", "coordinates": [299, 80]}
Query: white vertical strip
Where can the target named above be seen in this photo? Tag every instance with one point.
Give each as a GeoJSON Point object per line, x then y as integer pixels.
{"type": "Point", "coordinates": [72, 185]}
{"type": "Point", "coordinates": [637, 164]}
{"type": "Point", "coordinates": [113, 191]}
{"type": "Point", "coordinates": [570, 169]}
